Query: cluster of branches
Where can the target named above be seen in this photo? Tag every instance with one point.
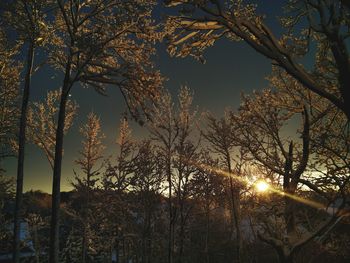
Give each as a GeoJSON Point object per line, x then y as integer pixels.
{"type": "Point", "coordinates": [199, 24]}
{"type": "Point", "coordinates": [94, 43]}
{"type": "Point", "coordinates": [119, 205]}
{"type": "Point", "coordinates": [319, 94]}
{"type": "Point", "coordinates": [189, 196]}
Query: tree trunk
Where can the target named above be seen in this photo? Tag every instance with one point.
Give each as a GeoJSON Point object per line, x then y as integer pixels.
{"type": "Point", "coordinates": [182, 230]}
{"type": "Point", "coordinates": [289, 215]}
{"type": "Point", "coordinates": [56, 184]}
{"type": "Point", "coordinates": [21, 149]}
{"type": "Point", "coordinates": [235, 214]}
{"type": "Point", "coordinates": [85, 208]}
{"type": "Point", "coordinates": [207, 208]}
{"type": "Point", "coordinates": [171, 216]}
{"type": "Point", "coordinates": [237, 219]}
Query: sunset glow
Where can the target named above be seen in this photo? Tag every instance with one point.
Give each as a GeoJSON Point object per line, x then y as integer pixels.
{"type": "Point", "coordinates": [262, 186]}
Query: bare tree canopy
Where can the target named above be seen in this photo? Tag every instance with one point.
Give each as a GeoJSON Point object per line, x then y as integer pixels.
{"type": "Point", "coordinates": [305, 23]}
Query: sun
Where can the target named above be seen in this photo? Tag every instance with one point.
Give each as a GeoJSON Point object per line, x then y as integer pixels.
{"type": "Point", "coordinates": [261, 186]}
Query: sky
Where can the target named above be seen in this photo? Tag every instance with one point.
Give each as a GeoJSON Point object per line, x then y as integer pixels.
{"type": "Point", "coordinates": [230, 68]}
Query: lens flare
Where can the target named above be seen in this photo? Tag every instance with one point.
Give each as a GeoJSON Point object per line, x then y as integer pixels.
{"type": "Point", "coordinates": [262, 186]}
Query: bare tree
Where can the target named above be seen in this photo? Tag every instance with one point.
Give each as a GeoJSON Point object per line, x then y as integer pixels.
{"type": "Point", "coordinates": [221, 136]}
{"type": "Point", "coordinates": [185, 152]}
{"type": "Point", "coordinates": [117, 180]}
{"type": "Point", "coordinates": [329, 135]}
{"type": "Point", "coordinates": [89, 156]}
{"type": "Point", "coordinates": [9, 98]}
{"type": "Point", "coordinates": [117, 176]}
{"type": "Point", "coordinates": [170, 127]}
{"type": "Point", "coordinates": [42, 122]}
{"type": "Point", "coordinates": [147, 184]}
{"type": "Point", "coordinates": [92, 150]}
{"type": "Point", "coordinates": [164, 130]}
{"type": "Point", "coordinates": [89, 48]}
{"type": "Point", "coordinates": [208, 188]}
{"type": "Point", "coordinates": [323, 23]}
{"type": "Point", "coordinates": [259, 124]}
{"type": "Point", "coordinates": [28, 20]}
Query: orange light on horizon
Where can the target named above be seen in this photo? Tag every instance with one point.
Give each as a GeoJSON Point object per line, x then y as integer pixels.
{"type": "Point", "coordinates": [260, 185]}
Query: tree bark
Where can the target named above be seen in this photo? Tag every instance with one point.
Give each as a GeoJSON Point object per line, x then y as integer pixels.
{"type": "Point", "coordinates": [21, 150]}
{"type": "Point", "coordinates": [56, 184]}
{"type": "Point", "coordinates": [86, 210]}
{"type": "Point", "coordinates": [289, 213]}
